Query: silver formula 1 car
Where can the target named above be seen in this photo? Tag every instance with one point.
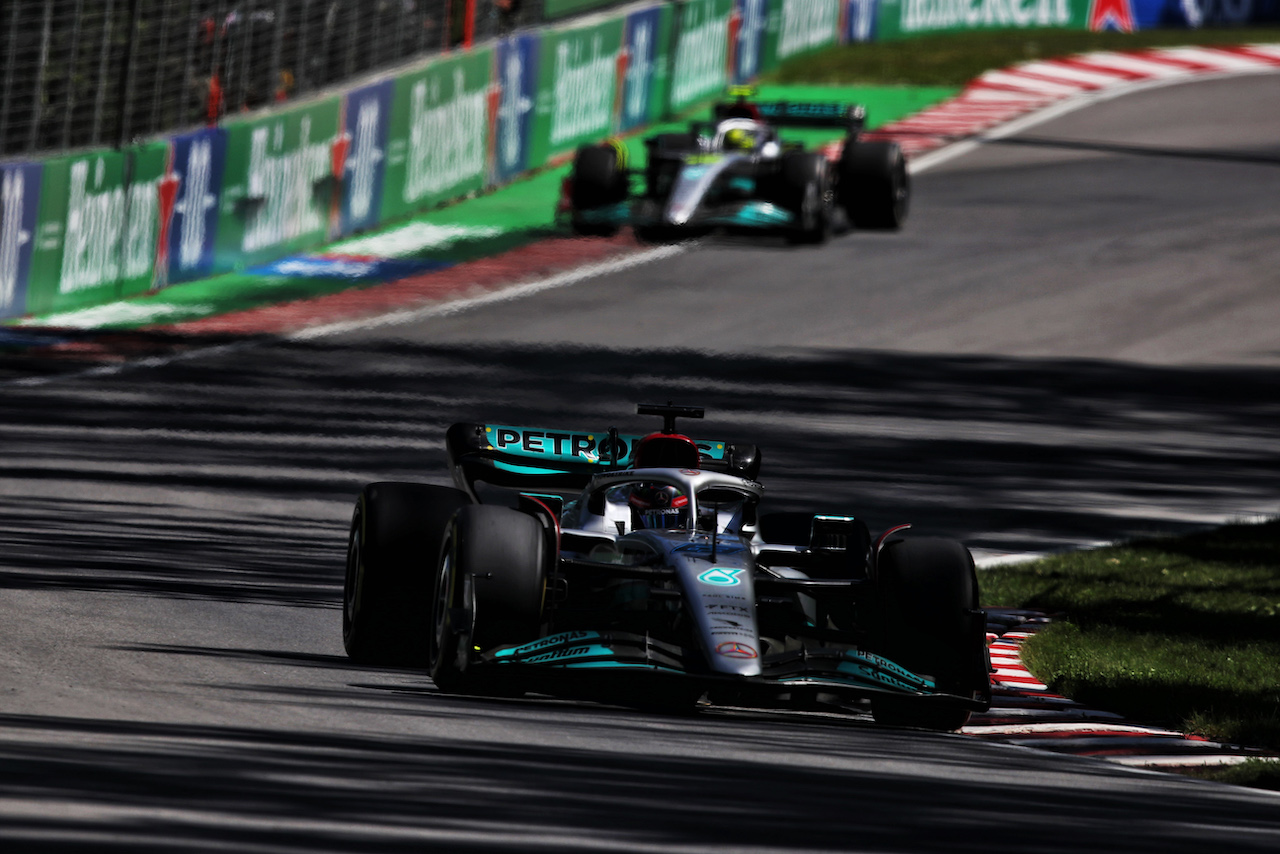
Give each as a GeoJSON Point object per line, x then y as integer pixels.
{"type": "Point", "coordinates": [736, 172]}
{"type": "Point", "coordinates": [639, 570]}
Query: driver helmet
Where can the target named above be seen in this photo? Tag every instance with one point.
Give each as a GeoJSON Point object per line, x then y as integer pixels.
{"type": "Point", "coordinates": [658, 505]}
{"type": "Point", "coordinates": [739, 139]}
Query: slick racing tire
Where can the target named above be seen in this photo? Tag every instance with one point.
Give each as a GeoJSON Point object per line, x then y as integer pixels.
{"type": "Point", "coordinates": [489, 590]}
{"type": "Point", "coordinates": [396, 531]}
{"type": "Point", "coordinates": [928, 598]}
{"type": "Point", "coordinates": [872, 184]}
{"type": "Point", "coordinates": [805, 191]}
{"type": "Point", "coordinates": [599, 180]}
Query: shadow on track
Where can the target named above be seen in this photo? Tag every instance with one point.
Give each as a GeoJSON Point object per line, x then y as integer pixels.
{"type": "Point", "coordinates": [231, 476]}
{"type": "Point", "coordinates": [149, 788]}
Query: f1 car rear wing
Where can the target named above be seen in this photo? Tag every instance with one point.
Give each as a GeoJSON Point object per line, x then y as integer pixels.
{"type": "Point", "coordinates": [817, 114]}
{"type": "Point", "coordinates": [542, 460]}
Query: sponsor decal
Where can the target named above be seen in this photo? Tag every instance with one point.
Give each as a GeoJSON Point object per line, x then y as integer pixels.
{"type": "Point", "coordinates": [198, 160]}
{"type": "Point", "coordinates": [19, 197]}
{"type": "Point", "coordinates": [701, 51]}
{"type": "Point", "coordinates": [861, 20]}
{"type": "Point", "coordinates": [447, 123]}
{"type": "Point", "coordinates": [807, 24]}
{"type": "Point", "coordinates": [721, 607]}
{"type": "Point", "coordinates": [545, 643]}
{"type": "Point", "coordinates": [736, 649]}
{"type": "Point", "coordinates": [576, 447]}
{"type": "Point", "coordinates": [110, 226]}
{"type": "Point", "coordinates": [585, 83]}
{"type": "Point", "coordinates": [722, 576]}
{"type": "Point", "coordinates": [366, 118]}
{"type": "Point", "coordinates": [929, 15]}
{"type": "Point", "coordinates": [1111, 15]}
{"type": "Point", "coordinates": [752, 21]}
{"type": "Point", "coordinates": [353, 267]}
{"type": "Point", "coordinates": [551, 656]}
{"type": "Point", "coordinates": [517, 77]}
{"type": "Point", "coordinates": [282, 178]}
{"type": "Point", "coordinates": [642, 67]}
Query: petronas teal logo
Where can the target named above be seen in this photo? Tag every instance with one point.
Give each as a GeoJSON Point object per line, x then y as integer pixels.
{"type": "Point", "coordinates": [720, 576]}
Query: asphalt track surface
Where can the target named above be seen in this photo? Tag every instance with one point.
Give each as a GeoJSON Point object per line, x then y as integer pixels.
{"type": "Point", "coordinates": [1073, 340]}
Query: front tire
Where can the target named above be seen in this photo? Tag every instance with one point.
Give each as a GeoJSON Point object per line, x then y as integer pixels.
{"type": "Point", "coordinates": [489, 590]}
{"type": "Point", "coordinates": [599, 181]}
{"type": "Point", "coordinates": [396, 531]}
{"type": "Point", "coordinates": [928, 596]}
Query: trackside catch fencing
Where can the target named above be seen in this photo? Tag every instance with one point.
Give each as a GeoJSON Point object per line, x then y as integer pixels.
{"type": "Point", "coordinates": [267, 170]}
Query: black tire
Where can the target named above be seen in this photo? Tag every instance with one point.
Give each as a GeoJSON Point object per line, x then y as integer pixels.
{"type": "Point", "coordinates": [928, 596]}
{"type": "Point", "coordinates": [598, 181]}
{"type": "Point", "coordinates": [805, 189]}
{"type": "Point", "coordinates": [873, 186]}
{"type": "Point", "coordinates": [396, 532]}
{"type": "Point", "coordinates": [489, 589]}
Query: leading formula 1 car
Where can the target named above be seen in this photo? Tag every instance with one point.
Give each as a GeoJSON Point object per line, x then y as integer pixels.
{"type": "Point", "coordinates": [736, 172]}
{"type": "Point", "coordinates": [638, 570]}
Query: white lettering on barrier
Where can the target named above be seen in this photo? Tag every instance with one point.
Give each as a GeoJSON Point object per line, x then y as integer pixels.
{"type": "Point", "coordinates": [807, 24]}
{"type": "Point", "coordinates": [445, 137]}
{"type": "Point", "coordinates": [195, 202]}
{"type": "Point", "coordinates": [700, 59]}
{"type": "Point", "coordinates": [639, 72]}
{"type": "Point", "coordinates": [12, 236]}
{"type": "Point", "coordinates": [583, 91]}
{"type": "Point", "coordinates": [285, 182]}
{"type": "Point", "coordinates": [365, 156]}
{"type": "Point", "coordinates": [926, 15]}
{"type": "Point", "coordinates": [95, 220]}
{"type": "Point", "coordinates": [512, 109]}
{"type": "Point", "coordinates": [141, 231]}
{"type": "Point", "coordinates": [749, 48]}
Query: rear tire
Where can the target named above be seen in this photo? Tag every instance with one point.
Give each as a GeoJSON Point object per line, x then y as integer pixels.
{"type": "Point", "coordinates": [396, 531]}
{"type": "Point", "coordinates": [928, 594]}
{"type": "Point", "coordinates": [874, 188]}
{"type": "Point", "coordinates": [599, 181]}
{"type": "Point", "coordinates": [489, 589]}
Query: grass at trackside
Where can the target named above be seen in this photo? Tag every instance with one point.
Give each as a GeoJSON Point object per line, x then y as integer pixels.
{"type": "Point", "coordinates": [955, 59]}
{"type": "Point", "coordinates": [1181, 632]}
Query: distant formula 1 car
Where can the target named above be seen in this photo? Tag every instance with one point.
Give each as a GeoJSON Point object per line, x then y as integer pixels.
{"type": "Point", "coordinates": [735, 172]}
{"type": "Point", "coordinates": [656, 583]}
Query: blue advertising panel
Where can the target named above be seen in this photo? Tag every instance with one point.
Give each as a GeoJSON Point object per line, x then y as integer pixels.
{"type": "Point", "coordinates": [366, 117]}
{"type": "Point", "coordinates": [198, 160]}
{"type": "Point", "coordinates": [753, 19]}
{"type": "Point", "coordinates": [517, 76]}
{"type": "Point", "coordinates": [19, 204]}
{"type": "Point", "coordinates": [860, 20]}
{"type": "Point", "coordinates": [1149, 14]}
{"type": "Point", "coordinates": [643, 34]}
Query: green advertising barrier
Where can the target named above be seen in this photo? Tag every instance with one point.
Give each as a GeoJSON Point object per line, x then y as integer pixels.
{"type": "Point", "coordinates": [577, 88]}
{"type": "Point", "coordinates": [438, 138]}
{"type": "Point", "coordinates": [798, 26]}
{"type": "Point", "coordinates": [905, 18]}
{"type": "Point", "coordinates": [278, 192]}
{"type": "Point", "coordinates": [701, 52]}
{"type": "Point", "coordinates": [97, 228]}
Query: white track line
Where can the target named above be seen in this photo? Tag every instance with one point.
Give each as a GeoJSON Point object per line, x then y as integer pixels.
{"type": "Point", "coordinates": [559, 280]}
